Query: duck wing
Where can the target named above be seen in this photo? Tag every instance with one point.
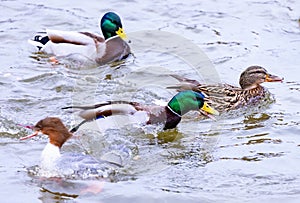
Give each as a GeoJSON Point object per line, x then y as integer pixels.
{"type": "Point", "coordinates": [72, 37]}
{"type": "Point", "coordinates": [156, 114]}
{"type": "Point", "coordinates": [63, 43]}
{"type": "Point", "coordinates": [106, 109]}
{"type": "Point", "coordinates": [222, 97]}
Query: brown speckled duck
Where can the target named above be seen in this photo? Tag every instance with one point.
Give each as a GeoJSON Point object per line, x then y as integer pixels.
{"type": "Point", "coordinates": [225, 97]}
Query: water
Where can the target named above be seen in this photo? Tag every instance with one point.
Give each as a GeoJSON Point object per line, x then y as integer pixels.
{"type": "Point", "coordinates": [251, 157]}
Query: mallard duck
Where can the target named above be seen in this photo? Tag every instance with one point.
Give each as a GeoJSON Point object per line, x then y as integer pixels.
{"type": "Point", "coordinates": [225, 97]}
{"type": "Point", "coordinates": [102, 50]}
{"type": "Point", "coordinates": [169, 115]}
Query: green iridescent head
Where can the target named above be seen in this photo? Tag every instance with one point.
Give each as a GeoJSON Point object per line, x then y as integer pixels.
{"type": "Point", "coordinates": [186, 101]}
{"type": "Point", "coordinates": [111, 25]}
{"type": "Point", "coordinates": [189, 100]}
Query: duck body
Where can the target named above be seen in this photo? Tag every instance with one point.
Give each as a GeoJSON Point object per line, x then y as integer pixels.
{"type": "Point", "coordinates": [169, 115]}
{"type": "Point", "coordinates": [225, 97]}
{"type": "Point", "coordinates": [102, 50]}
{"type": "Point", "coordinates": [67, 165]}
{"type": "Point", "coordinates": [74, 165]}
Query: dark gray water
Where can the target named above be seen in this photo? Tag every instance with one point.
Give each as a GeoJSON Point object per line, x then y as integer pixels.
{"type": "Point", "coordinates": [248, 157]}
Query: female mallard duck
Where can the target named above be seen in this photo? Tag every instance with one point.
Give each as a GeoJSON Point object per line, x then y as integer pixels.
{"type": "Point", "coordinates": [224, 97]}
{"type": "Point", "coordinates": [102, 50]}
{"type": "Point", "coordinates": [169, 115]}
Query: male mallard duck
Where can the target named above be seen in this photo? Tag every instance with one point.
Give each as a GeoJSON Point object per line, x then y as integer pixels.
{"type": "Point", "coordinates": [169, 115]}
{"type": "Point", "coordinates": [225, 97]}
{"type": "Point", "coordinates": [102, 50]}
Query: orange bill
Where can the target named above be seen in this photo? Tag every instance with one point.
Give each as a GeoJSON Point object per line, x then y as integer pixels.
{"type": "Point", "coordinates": [273, 78]}
{"type": "Point", "coordinates": [30, 136]}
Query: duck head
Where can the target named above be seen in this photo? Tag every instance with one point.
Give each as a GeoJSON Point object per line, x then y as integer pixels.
{"type": "Point", "coordinates": [186, 101]}
{"type": "Point", "coordinates": [53, 127]}
{"type": "Point", "coordinates": [253, 76]}
{"type": "Point", "coordinates": [111, 25]}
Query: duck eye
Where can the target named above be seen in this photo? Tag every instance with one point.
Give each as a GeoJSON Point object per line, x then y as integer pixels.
{"type": "Point", "coordinates": [113, 21]}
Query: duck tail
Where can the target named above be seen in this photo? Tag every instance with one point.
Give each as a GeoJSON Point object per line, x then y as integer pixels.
{"type": "Point", "coordinates": [39, 40]}
{"type": "Point", "coordinates": [183, 79]}
{"type": "Point", "coordinates": [184, 83]}
{"type": "Point", "coordinates": [182, 87]}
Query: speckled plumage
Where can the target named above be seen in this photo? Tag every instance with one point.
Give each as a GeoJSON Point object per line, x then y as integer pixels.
{"type": "Point", "coordinates": [225, 97]}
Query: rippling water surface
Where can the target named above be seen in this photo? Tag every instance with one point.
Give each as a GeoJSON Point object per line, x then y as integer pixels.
{"type": "Point", "coordinates": [251, 155]}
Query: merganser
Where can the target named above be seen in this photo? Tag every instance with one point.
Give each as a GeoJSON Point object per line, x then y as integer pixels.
{"type": "Point", "coordinates": [53, 164]}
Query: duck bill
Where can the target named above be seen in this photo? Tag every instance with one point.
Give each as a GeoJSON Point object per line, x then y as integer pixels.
{"type": "Point", "coordinates": [30, 136]}
{"type": "Point", "coordinates": [121, 33]}
{"type": "Point", "coordinates": [273, 78]}
{"type": "Point", "coordinates": [208, 111]}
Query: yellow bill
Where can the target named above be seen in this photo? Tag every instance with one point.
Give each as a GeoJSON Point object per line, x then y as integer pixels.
{"type": "Point", "coordinates": [121, 33]}
{"type": "Point", "coordinates": [209, 109]}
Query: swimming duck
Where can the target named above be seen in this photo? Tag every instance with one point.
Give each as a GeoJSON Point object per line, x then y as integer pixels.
{"type": "Point", "coordinates": [102, 50]}
{"type": "Point", "coordinates": [225, 97]}
{"type": "Point", "coordinates": [169, 115]}
{"type": "Point", "coordinates": [55, 164]}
